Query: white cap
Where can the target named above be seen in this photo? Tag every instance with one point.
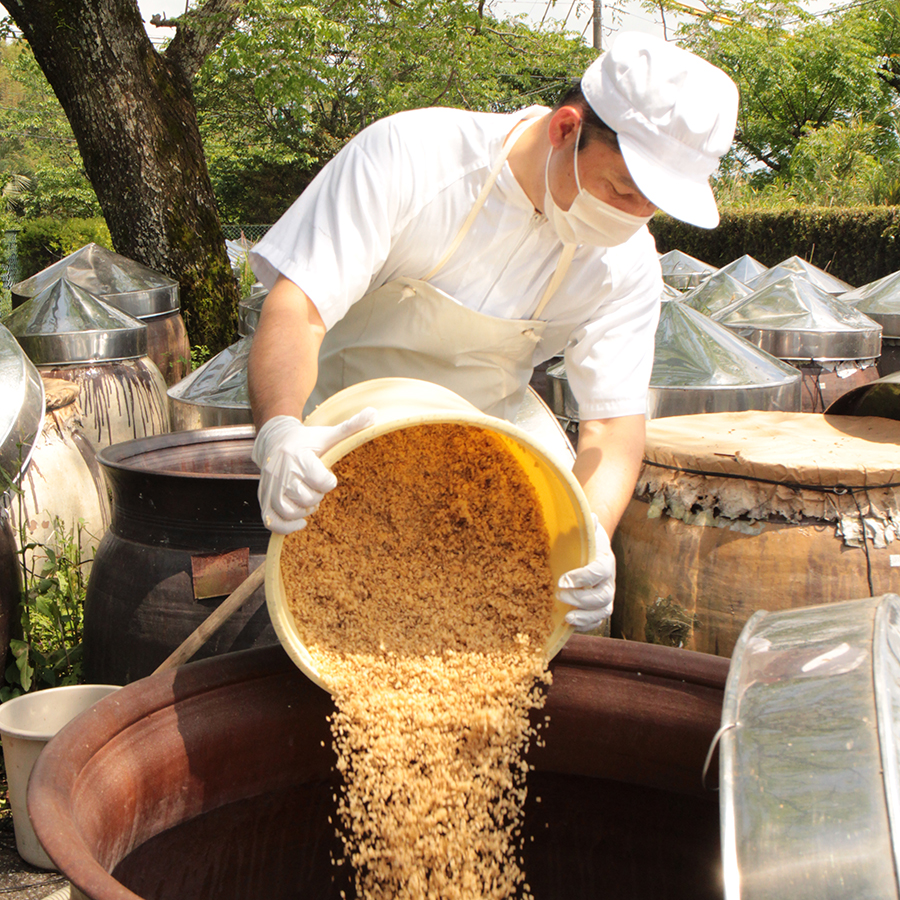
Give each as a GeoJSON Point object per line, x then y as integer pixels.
{"type": "Point", "coordinates": [675, 116]}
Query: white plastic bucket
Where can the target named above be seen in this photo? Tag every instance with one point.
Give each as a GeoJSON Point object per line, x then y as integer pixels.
{"type": "Point", "coordinates": [27, 723]}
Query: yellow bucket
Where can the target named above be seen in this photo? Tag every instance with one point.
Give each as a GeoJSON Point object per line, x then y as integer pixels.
{"type": "Point", "coordinates": [404, 403]}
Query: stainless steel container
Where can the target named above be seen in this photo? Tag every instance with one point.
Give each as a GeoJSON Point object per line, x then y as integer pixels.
{"type": "Point", "coordinates": [249, 310]}
{"type": "Point", "coordinates": [71, 334]}
{"type": "Point", "coordinates": [880, 301]}
{"type": "Point", "coordinates": [216, 393]}
{"type": "Point", "coordinates": [537, 418]}
{"type": "Point", "coordinates": [700, 367]}
{"type": "Point", "coordinates": [21, 409]}
{"type": "Point", "coordinates": [794, 320]}
{"type": "Point", "coordinates": [682, 272]}
{"type": "Point", "coordinates": [147, 295]}
{"type": "Point", "coordinates": [809, 776]}
{"type": "Point", "coordinates": [563, 402]}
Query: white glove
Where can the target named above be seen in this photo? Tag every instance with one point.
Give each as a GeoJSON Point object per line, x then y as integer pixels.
{"type": "Point", "coordinates": [592, 587]}
{"type": "Point", "coordinates": [292, 478]}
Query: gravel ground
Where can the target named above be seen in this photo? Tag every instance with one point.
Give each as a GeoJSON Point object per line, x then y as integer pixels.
{"type": "Point", "coordinates": [18, 879]}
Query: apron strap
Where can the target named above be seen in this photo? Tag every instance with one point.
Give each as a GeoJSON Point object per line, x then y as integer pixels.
{"type": "Point", "coordinates": [568, 250]}
{"type": "Point", "coordinates": [562, 267]}
{"type": "Point", "coordinates": [494, 174]}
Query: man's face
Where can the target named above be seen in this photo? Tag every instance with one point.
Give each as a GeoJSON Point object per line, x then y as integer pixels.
{"type": "Point", "coordinates": [602, 172]}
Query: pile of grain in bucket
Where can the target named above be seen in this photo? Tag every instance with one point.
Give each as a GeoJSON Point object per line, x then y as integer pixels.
{"type": "Point", "coordinates": [423, 592]}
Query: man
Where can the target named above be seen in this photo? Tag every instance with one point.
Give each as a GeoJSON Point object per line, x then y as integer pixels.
{"type": "Point", "coordinates": [465, 248]}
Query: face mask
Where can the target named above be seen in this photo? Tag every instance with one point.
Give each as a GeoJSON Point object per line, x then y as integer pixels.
{"type": "Point", "coordinates": [588, 220]}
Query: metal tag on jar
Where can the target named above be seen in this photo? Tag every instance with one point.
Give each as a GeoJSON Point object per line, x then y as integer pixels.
{"type": "Point", "coordinates": [216, 575]}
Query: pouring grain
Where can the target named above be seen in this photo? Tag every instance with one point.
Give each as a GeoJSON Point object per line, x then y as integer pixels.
{"type": "Point", "coordinates": [422, 589]}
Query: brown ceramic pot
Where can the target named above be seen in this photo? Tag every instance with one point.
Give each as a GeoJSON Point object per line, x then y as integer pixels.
{"type": "Point", "coordinates": [215, 780]}
{"type": "Point", "coordinates": [168, 345]}
{"type": "Point", "coordinates": [186, 531]}
{"type": "Point", "coordinates": [819, 388]}
{"type": "Point", "coordinates": [889, 361]}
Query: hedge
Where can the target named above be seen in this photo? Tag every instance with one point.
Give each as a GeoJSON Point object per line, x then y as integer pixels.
{"type": "Point", "coordinates": [856, 245]}
{"type": "Point", "coordinates": [42, 242]}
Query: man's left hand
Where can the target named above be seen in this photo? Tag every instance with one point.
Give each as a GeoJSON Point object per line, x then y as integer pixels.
{"type": "Point", "coordinates": [592, 587]}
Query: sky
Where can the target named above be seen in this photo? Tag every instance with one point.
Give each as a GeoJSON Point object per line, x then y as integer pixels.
{"type": "Point", "coordinates": [616, 15]}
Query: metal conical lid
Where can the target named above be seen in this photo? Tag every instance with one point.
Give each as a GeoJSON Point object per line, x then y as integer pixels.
{"type": "Point", "coordinates": [121, 282]}
{"type": "Point", "coordinates": [21, 408]}
{"type": "Point", "coordinates": [694, 351]}
{"type": "Point", "coordinates": [238, 254]}
{"type": "Point", "coordinates": [682, 271]}
{"type": "Point", "coordinates": [717, 292]}
{"type": "Point", "coordinates": [745, 268]}
{"type": "Point", "coordinates": [66, 324]}
{"type": "Point", "coordinates": [669, 293]}
{"type": "Point", "coordinates": [220, 381]}
{"type": "Point", "coordinates": [793, 319]}
{"type": "Point", "coordinates": [795, 265]}
{"type": "Point", "coordinates": [248, 311]}
{"type": "Point", "coordinates": [880, 301]}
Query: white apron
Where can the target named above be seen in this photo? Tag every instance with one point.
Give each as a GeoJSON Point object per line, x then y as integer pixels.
{"type": "Point", "coordinates": [409, 328]}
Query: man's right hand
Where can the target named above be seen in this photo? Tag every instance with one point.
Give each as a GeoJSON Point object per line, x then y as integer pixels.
{"type": "Point", "coordinates": [292, 478]}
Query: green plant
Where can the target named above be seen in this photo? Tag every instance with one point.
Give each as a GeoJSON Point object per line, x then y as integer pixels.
{"type": "Point", "coordinates": [46, 641]}
{"type": "Point", "coordinates": [48, 649]}
{"type": "Point", "coordinates": [200, 353]}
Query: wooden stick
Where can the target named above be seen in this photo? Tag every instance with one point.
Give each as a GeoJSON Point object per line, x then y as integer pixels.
{"type": "Point", "coordinates": [230, 605]}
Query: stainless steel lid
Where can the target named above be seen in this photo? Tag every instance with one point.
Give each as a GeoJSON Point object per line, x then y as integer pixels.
{"type": "Point", "coordinates": [238, 254]}
{"type": "Point", "coordinates": [249, 310]}
{"type": "Point", "coordinates": [219, 382]}
{"type": "Point", "coordinates": [880, 301]}
{"type": "Point", "coordinates": [670, 293]}
{"type": "Point", "coordinates": [745, 268]}
{"type": "Point", "coordinates": [700, 366]}
{"type": "Point", "coordinates": [682, 271]}
{"type": "Point", "coordinates": [809, 778]}
{"type": "Point", "coordinates": [717, 292]}
{"type": "Point", "coordinates": [65, 324]}
{"type": "Point", "coordinates": [21, 409]}
{"type": "Point", "coordinates": [692, 350]}
{"type": "Point", "coordinates": [794, 320]}
{"type": "Point", "coordinates": [798, 266]}
{"type": "Point", "coordinates": [121, 282]}
{"type": "Point", "coordinates": [879, 398]}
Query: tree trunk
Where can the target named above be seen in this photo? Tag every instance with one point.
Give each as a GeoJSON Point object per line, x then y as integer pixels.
{"type": "Point", "coordinates": [133, 115]}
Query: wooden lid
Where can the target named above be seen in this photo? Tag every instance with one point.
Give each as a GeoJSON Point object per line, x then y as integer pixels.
{"type": "Point", "coordinates": [785, 447]}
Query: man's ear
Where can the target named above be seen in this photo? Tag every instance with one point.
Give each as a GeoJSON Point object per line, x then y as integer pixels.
{"type": "Point", "coordinates": [563, 126]}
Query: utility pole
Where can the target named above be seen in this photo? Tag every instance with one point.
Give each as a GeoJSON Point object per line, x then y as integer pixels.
{"type": "Point", "coordinates": [598, 25]}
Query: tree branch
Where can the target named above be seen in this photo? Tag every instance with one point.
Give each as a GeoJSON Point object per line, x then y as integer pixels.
{"type": "Point", "coordinates": [199, 32]}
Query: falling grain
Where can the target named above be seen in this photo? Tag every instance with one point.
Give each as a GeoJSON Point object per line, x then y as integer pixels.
{"type": "Point", "coordinates": [423, 592]}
